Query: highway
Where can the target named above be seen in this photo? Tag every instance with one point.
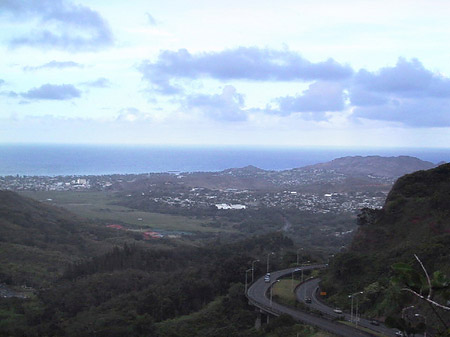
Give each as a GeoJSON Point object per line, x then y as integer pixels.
{"type": "Point", "coordinates": [309, 290]}
{"type": "Point", "coordinates": [257, 295]}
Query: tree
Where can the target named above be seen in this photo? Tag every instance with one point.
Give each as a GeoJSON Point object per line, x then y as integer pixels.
{"type": "Point", "coordinates": [415, 283]}
{"type": "Point", "coordinates": [423, 287]}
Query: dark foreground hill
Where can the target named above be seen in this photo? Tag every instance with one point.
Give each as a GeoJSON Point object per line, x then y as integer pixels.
{"type": "Point", "coordinates": [85, 286]}
{"type": "Point", "coordinates": [414, 220]}
{"type": "Point", "coordinates": [417, 210]}
{"type": "Point", "coordinates": [37, 241]}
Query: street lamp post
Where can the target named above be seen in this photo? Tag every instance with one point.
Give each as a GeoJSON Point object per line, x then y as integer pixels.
{"type": "Point", "coordinates": [271, 291]}
{"type": "Point", "coordinates": [245, 291]}
{"type": "Point", "coordinates": [351, 306]}
{"type": "Point", "coordinates": [268, 257]}
{"type": "Point", "coordinates": [253, 269]}
{"type": "Point", "coordinates": [303, 265]}
{"type": "Point", "coordinates": [356, 314]}
{"type": "Point", "coordinates": [297, 254]}
{"type": "Point", "coordinates": [292, 278]}
{"type": "Point", "coordinates": [425, 321]}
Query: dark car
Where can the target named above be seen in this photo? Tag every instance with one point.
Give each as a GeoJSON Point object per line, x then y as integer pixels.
{"type": "Point", "coordinates": [373, 322]}
{"type": "Point", "coordinates": [308, 300]}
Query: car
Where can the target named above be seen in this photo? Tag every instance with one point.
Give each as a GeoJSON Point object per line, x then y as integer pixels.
{"type": "Point", "coordinates": [308, 300]}
{"type": "Point", "coordinates": [399, 333]}
{"type": "Point", "coordinates": [267, 278]}
{"type": "Point", "coordinates": [374, 322]}
{"type": "Point", "coordinates": [337, 311]}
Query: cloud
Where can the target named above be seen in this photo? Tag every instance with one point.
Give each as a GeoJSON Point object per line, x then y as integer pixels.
{"type": "Point", "coordinates": [132, 114]}
{"type": "Point", "coordinates": [320, 97]}
{"type": "Point", "coordinates": [10, 94]}
{"type": "Point", "coordinates": [362, 97]}
{"type": "Point", "coordinates": [151, 20]}
{"type": "Point", "coordinates": [98, 83]}
{"type": "Point", "coordinates": [425, 112]}
{"type": "Point", "coordinates": [60, 24]}
{"type": "Point", "coordinates": [226, 106]}
{"type": "Point", "coordinates": [53, 92]}
{"type": "Point", "coordinates": [395, 94]}
{"type": "Point", "coordinates": [406, 79]}
{"type": "Point", "coordinates": [406, 93]}
{"type": "Point", "coordinates": [55, 65]}
{"type": "Point", "coordinates": [243, 63]}
{"type": "Point", "coordinates": [2, 82]}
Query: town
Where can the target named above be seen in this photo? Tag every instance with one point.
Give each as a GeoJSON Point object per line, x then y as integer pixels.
{"type": "Point", "coordinates": [317, 191]}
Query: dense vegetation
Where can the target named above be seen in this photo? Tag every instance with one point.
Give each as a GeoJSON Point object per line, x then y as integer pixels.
{"type": "Point", "coordinates": [88, 280]}
{"type": "Point", "coordinates": [39, 240]}
{"type": "Point", "coordinates": [127, 288]}
{"type": "Point", "coordinates": [414, 220]}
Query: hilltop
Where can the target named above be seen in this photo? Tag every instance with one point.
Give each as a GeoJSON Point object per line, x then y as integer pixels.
{"type": "Point", "coordinates": [393, 167]}
{"type": "Point", "coordinates": [416, 210]}
{"type": "Point", "coordinates": [342, 174]}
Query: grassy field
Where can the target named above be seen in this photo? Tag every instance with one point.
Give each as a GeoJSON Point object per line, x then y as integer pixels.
{"type": "Point", "coordinates": [100, 206]}
{"type": "Point", "coordinates": [283, 292]}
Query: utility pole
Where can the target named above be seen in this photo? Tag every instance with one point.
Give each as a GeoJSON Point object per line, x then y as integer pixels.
{"type": "Point", "coordinates": [253, 269]}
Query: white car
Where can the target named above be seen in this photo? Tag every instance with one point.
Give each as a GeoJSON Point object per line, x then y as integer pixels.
{"type": "Point", "coordinates": [267, 278]}
{"type": "Point", "coordinates": [337, 311]}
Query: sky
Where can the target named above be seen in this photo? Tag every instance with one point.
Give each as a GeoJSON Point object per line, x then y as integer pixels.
{"type": "Point", "coordinates": [257, 73]}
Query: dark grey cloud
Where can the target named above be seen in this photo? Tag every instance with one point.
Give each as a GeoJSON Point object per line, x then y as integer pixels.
{"type": "Point", "coordinates": [406, 93]}
{"type": "Point", "coordinates": [254, 64]}
{"type": "Point", "coordinates": [362, 97]}
{"type": "Point", "coordinates": [320, 97]}
{"type": "Point", "coordinates": [52, 92]}
{"type": "Point", "coordinates": [227, 106]}
{"type": "Point", "coordinates": [425, 112]}
{"type": "Point", "coordinates": [405, 79]}
{"type": "Point", "coordinates": [60, 24]}
{"type": "Point", "coordinates": [55, 65]}
{"type": "Point", "coordinates": [98, 83]}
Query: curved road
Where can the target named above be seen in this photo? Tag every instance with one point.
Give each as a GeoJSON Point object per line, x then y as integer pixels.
{"type": "Point", "coordinates": [257, 296]}
{"type": "Point", "coordinates": [309, 289]}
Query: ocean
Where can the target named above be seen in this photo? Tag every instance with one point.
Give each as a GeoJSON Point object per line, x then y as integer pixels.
{"type": "Point", "coordinates": [54, 160]}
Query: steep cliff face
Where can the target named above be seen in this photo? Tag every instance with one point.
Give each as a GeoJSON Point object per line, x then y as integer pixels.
{"type": "Point", "coordinates": [416, 211]}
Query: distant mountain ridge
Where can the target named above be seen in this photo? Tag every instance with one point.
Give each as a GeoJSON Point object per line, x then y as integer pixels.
{"type": "Point", "coordinates": [342, 174]}
{"type": "Point", "coordinates": [375, 165]}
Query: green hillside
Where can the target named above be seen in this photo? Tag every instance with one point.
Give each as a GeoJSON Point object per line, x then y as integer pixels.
{"type": "Point", "coordinates": [416, 210]}
{"type": "Point", "coordinates": [87, 282]}
{"type": "Point", "coordinates": [414, 220]}
{"type": "Point", "coordinates": [38, 241]}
